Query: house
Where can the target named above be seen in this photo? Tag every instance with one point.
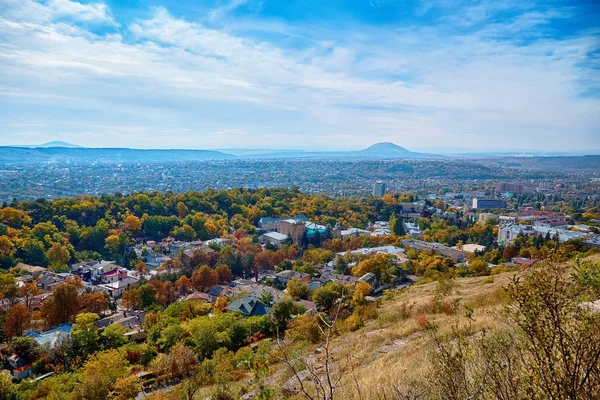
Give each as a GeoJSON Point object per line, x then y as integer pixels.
{"type": "Point", "coordinates": [248, 306]}
{"type": "Point", "coordinates": [187, 255]}
{"type": "Point", "coordinates": [327, 277]}
{"type": "Point", "coordinates": [130, 320]}
{"type": "Point", "coordinates": [51, 337]}
{"type": "Point", "coordinates": [19, 367]}
{"type": "Point", "coordinates": [199, 296]}
{"type": "Point", "coordinates": [222, 291]}
{"type": "Point", "coordinates": [33, 270]}
{"type": "Point", "coordinates": [48, 280]}
{"type": "Point", "coordinates": [116, 288]}
{"type": "Point", "coordinates": [116, 274]}
{"type": "Point", "coordinates": [284, 276]}
{"type": "Point", "coordinates": [369, 278]}
{"type": "Point", "coordinates": [275, 238]}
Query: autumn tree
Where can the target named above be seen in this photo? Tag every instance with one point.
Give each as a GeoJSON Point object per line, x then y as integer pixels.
{"type": "Point", "coordinates": [58, 256]}
{"type": "Point", "coordinates": [62, 306]}
{"type": "Point", "coordinates": [28, 291]}
{"type": "Point", "coordinates": [204, 277]}
{"type": "Point", "coordinates": [183, 284]}
{"type": "Point", "coordinates": [131, 299]}
{"type": "Point", "coordinates": [224, 273]}
{"type": "Point", "coordinates": [132, 223]}
{"type": "Point", "coordinates": [141, 268]}
{"type": "Point", "coordinates": [17, 320]}
{"type": "Point", "coordinates": [95, 302]}
{"type": "Point", "coordinates": [383, 265]}
{"type": "Point", "coordinates": [99, 375]}
{"type": "Point", "coordinates": [8, 286]}
{"type": "Point", "coordinates": [363, 287]}
{"type": "Point", "coordinates": [297, 289]}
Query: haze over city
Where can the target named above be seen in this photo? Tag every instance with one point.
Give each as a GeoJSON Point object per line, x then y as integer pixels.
{"type": "Point", "coordinates": [427, 75]}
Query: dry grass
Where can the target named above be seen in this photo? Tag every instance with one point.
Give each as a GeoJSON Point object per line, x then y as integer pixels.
{"type": "Point", "coordinates": [394, 349]}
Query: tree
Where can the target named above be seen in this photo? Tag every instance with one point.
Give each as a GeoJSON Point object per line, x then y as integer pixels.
{"type": "Point", "coordinates": [141, 268]}
{"type": "Point", "coordinates": [99, 375]}
{"type": "Point", "coordinates": [297, 289]}
{"type": "Point", "coordinates": [184, 284]}
{"type": "Point", "coordinates": [85, 334]}
{"type": "Point", "coordinates": [224, 273]}
{"type": "Point", "coordinates": [397, 225]}
{"type": "Point", "coordinates": [284, 310]}
{"type": "Point", "coordinates": [204, 277]}
{"type": "Point", "coordinates": [383, 265]}
{"type": "Point", "coordinates": [326, 297]}
{"type": "Point", "coordinates": [58, 256]}
{"type": "Point", "coordinates": [131, 299]}
{"type": "Point", "coordinates": [62, 306]}
{"type": "Point", "coordinates": [26, 347]}
{"type": "Point", "coordinates": [28, 291]}
{"type": "Point", "coordinates": [126, 388]}
{"type": "Point", "coordinates": [17, 320]}
{"type": "Point", "coordinates": [182, 209]}
{"type": "Point", "coordinates": [363, 287]}
{"type": "Point", "coordinates": [132, 223]}
{"type": "Point", "coordinates": [113, 336]}
{"type": "Point", "coordinates": [147, 296]}
{"type": "Point", "coordinates": [8, 390]}
{"type": "Point", "coordinates": [8, 286]}
{"type": "Point", "coordinates": [95, 302]}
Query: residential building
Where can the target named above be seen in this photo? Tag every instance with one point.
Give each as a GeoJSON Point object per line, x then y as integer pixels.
{"type": "Point", "coordinates": [130, 320]}
{"type": "Point", "coordinates": [479, 203]}
{"type": "Point", "coordinates": [455, 254]}
{"type": "Point", "coordinates": [378, 189]}
{"type": "Point", "coordinates": [52, 336]}
{"type": "Point", "coordinates": [248, 306]}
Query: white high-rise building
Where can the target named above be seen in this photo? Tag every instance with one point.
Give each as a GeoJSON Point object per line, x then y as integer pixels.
{"type": "Point", "coordinates": [378, 189]}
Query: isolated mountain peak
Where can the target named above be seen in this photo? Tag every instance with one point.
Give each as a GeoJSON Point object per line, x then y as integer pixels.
{"type": "Point", "coordinates": [386, 147]}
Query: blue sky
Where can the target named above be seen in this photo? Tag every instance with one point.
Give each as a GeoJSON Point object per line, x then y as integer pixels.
{"type": "Point", "coordinates": [305, 74]}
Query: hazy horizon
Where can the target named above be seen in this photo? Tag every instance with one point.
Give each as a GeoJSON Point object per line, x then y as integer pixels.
{"type": "Point", "coordinates": [483, 76]}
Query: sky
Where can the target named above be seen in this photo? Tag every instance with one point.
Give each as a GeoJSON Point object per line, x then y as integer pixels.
{"type": "Point", "coordinates": [301, 74]}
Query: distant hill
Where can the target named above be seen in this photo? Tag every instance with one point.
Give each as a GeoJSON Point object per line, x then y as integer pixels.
{"type": "Point", "coordinates": [109, 155]}
{"type": "Point", "coordinates": [65, 152]}
{"type": "Point", "coordinates": [57, 143]}
{"type": "Point", "coordinates": [386, 148]}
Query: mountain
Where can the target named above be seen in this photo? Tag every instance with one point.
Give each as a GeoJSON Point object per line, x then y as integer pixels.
{"type": "Point", "coordinates": [107, 155]}
{"type": "Point", "coordinates": [386, 148]}
{"type": "Point", "coordinates": [57, 143]}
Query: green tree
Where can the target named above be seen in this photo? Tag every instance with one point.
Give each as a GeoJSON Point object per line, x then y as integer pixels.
{"type": "Point", "coordinates": [85, 334]}
{"type": "Point", "coordinates": [297, 289]}
{"type": "Point", "coordinates": [284, 310]}
{"type": "Point", "coordinates": [397, 225]}
{"type": "Point", "coordinates": [113, 336]}
{"type": "Point", "coordinates": [147, 295]}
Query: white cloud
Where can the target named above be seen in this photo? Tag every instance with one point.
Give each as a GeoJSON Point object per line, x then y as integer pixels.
{"type": "Point", "coordinates": [184, 82]}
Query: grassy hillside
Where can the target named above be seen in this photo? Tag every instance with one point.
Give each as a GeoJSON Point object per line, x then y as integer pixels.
{"type": "Point", "coordinates": [391, 356]}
